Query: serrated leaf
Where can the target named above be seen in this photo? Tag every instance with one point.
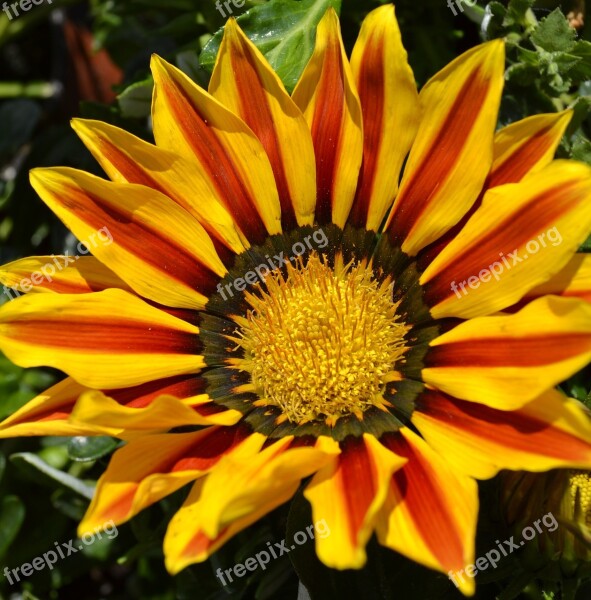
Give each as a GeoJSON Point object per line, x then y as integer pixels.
{"type": "Point", "coordinates": [32, 464]}
{"type": "Point", "coordinates": [553, 33]}
{"type": "Point", "coordinates": [581, 150]}
{"type": "Point", "coordinates": [135, 101]}
{"type": "Point", "coordinates": [283, 30]}
{"type": "Point", "coordinates": [521, 73]}
{"type": "Point", "coordinates": [582, 50]}
{"type": "Point", "coordinates": [528, 56]}
{"type": "Point", "coordinates": [85, 449]}
{"type": "Point", "coordinates": [12, 515]}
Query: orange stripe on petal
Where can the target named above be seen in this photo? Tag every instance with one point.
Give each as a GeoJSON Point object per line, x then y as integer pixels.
{"type": "Point", "coordinates": [505, 361]}
{"type": "Point", "coordinates": [105, 340]}
{"type": "Point", "coordinates": [60, 274]}
{"type": "Point", "coordinates": [157, 247]}
{"type": "Point", "coordinates": [163, 413]}
{"type": "Point", "coordinates": [188, 388]}
{"type": "Point", "coordinates": [547, 433]}
{"type": "Point", "coordinates": [244, 82]}
{"type": "Point", "coordinates": [391, 113]}
{"type": "Point", "coordinates": [128, 159]}
{"type": "Point", "coordinates": [151, 467]}
{"type": "Point", "coordinates": [431, 511]}
{"type": "Point", "coordinates": [185, 543]}
{"type": "Point", "coordinates": [452, 153]}
{"type": "Point", "coordinates": [241, 489]}
{"type": "Point", "coordinates": [525, 232]}
{"type": "Point", "coordinates": [326, 95]}
{"type": "Point", "coordinates": [47, 414]}
{"type": "Point", "coordinates": [190, 122]}
{"type": "Point", "coordinates": [520, 148]}
{"type": "Point", "coordinates": [526, 146]}
{"type": "Point", "coordinates": [347, 494]}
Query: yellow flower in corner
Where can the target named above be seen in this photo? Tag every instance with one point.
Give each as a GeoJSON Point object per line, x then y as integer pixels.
{"type": "Point", "coordinates": [282, 300]}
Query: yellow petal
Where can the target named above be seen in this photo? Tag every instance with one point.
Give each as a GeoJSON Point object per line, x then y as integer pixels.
{"type": "Point", "coordinates": [452, 153]}
{"type": "Point", "coordinates": [519, 149]}
{"type": "Point", "coordinates": [105, 340]}
{"type": "Point", "coordinates": [156, 246]}
{"type": "Point", "coordinates": [327, 96]}
{"type": "Point", "coordinates": [574, 280]}
{"type": "Point", "coordinates": [431, 511]}
{"type": "Point", "coordinates": [526, 146]}
{"type": "Point", "coordinates": [61, 274]}
{"type": "Point", "coordinates": [238, 491]}
{"type": "Point", "coordinates": [391, 114]}
{"type": "Point", "coordinates": [504, 361]}
{"type": "Point", "coordinates": [154, 466]}
{"type": "Point", "coordinates": [48, 414]}
{"type": "Point", "coordinates": [128, 159]}
{"type": "Point", "coordinates": [190, 122]}
{"type": "Point", "coordinates": [521, 235]}
{"type": "Point", "coordinates": [549, 432]}
{"type": "Point", "coordinates": [165, 412]}
{"type": "Point", "coordinates": [244, 82]}
{"type": "Point", "coordinates": [348, 493]}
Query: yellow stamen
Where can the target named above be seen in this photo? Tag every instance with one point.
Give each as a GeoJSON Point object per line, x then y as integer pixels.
{"type": "Point", "coordinates": [322, 342]}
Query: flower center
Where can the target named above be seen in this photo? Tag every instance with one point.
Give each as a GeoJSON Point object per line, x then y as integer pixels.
{"type": "Point", "coordinates": [322, 342]}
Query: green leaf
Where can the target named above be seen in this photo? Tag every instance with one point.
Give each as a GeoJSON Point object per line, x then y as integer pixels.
{"type": "Point", "coordinates": [85, 449]}
{"type": "Point", "coordinates": [582, 150]}
{"type": "Point", "coordinates": [518, 11]}
{"type": "Point", "coordinates": [522, 74]}
{"type": "Point", "coordinates": [12, 515]}
{"type": "Point", "coordinates": [553, 34]}
{"type": "Point", "coordinates": [135, 102]}
{"type": "Point", "coordinates": [283, 30]}
{"type": "Point", "coordinates": [582, 50]}
{"type": "Point", "coordinates": [32, 464]}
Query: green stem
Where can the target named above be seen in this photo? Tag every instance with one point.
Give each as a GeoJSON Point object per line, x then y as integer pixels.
{"type": "Point", "coordinates": [34, 89]}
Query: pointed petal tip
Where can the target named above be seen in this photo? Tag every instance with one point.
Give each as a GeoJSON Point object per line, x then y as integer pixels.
{"type": "Point", "coordinates": [158, 64]}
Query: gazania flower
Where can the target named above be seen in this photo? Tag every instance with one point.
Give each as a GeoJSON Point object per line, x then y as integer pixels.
{"type": "Point", "coordinates": [273, 290]}
{"type": "Point", "coordinates": [564, 551]}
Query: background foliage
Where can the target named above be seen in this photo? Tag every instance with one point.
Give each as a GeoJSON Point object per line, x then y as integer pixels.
{"type": "Point", "coordinates": [90, 58]}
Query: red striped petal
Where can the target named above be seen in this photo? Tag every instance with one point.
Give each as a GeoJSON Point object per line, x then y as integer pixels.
{"type": "Point", "coordinates": [548, 432]}
{"type": "Point", "coordinates": [452, 153]}
{"type": "Point", "coordinates": [326, 95]}
{"type": "Point", "coordinates": [431, 512]}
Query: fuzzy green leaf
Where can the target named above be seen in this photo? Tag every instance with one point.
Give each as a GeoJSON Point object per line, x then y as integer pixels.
{"type": "Point", "coordinates": [553, 34]}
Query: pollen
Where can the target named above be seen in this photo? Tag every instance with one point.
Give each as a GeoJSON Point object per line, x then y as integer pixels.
{"type": "Point", "coordinates": [322, 342]}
